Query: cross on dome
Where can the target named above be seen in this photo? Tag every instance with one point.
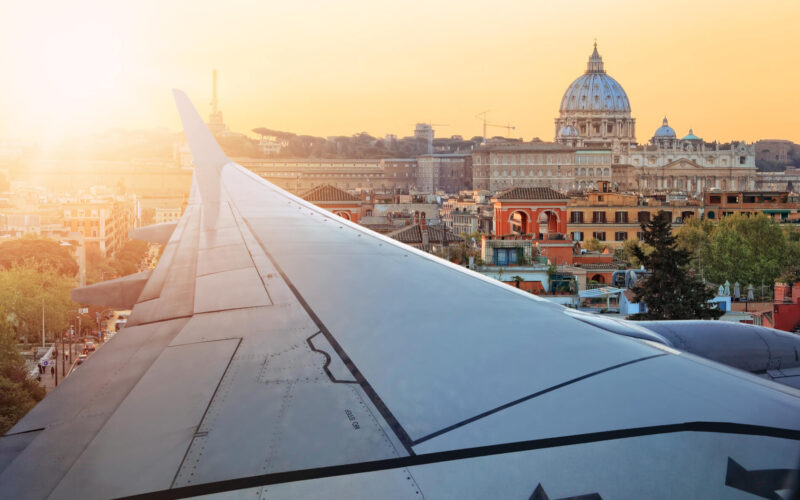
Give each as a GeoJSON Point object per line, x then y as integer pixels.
{"type": "Point", "coordinates": [595, 64]}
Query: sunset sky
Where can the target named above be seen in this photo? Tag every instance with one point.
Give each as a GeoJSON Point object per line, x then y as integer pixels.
{"type": "Point", "coordinates": [728, 69]}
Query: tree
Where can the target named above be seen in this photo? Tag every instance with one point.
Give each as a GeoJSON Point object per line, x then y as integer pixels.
{"type": "Point", "coordinates": [18, 393]}
{"type": "Point", "coordinates": [24, 290]}
{"type": "Point", "coordinates": [670, 291]}
{"type": "Point", "coordinates": [42, 253]}
{"type": "Point", "coordinates": [743, 248]}
{"type": "Point", "coordinates": [625, 252]}
{"type": "Point", "coordinates": [594, 245]}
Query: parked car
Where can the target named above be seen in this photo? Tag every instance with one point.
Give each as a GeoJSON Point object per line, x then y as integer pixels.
{"type": "Point", "coordinates": [81, 359]}
{"type": "Point", "coordinates": [89, 346]}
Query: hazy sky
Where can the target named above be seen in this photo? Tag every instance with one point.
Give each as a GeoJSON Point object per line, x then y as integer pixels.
{"type": "Point", "coordinates": [728, 69]}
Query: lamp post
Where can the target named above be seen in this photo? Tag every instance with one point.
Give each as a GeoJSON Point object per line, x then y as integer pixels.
{"type": "Point", "coordinates": [42, 317]}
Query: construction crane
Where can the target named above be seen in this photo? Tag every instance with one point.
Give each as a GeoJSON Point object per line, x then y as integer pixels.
{"type": "Point", "coordinates": [482, 116]}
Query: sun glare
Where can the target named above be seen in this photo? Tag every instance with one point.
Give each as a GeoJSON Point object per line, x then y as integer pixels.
{"type": "Point", "coordinates": [70, 69]}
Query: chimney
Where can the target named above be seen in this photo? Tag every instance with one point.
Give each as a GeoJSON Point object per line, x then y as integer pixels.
{"type": "Point", "coordinates": [781, 292]}
{"type": "Point", "coordinates": [422, 223]}
{"type": "Point", "coordinates": [416, 217]}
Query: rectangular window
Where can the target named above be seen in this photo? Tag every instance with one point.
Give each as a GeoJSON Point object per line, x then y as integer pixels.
{"type": "Point", "coordinates": [640, 235]}
{"type": "Point", "coordinates": [599, 217]}
{"type": "Point", "coordinates": [715, 199]}
{"type": "Point", "coordinates": [599, 235]}
{"type": "Point", "coordinates": [620, 236]}
{"type": "Point", "coordinates": [512, 255]}
{"type": "Point", "coordinates": [577, 217]}
{"type": "Point", "coordinates": [733, 199]}
{"type": "Point", "coordinates": [577, 235]}
{"type": "Point", "coordinates": [621, 217]}
{"type": "Point", "coordinates": [501, 256]}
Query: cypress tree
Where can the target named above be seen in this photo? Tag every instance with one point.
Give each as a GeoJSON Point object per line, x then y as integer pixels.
{"type": "Point", "coordinates": [670, 291]}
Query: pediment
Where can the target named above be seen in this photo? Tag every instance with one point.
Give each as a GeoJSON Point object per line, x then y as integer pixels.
{"type": "Point", "coordinates": [682, 164]}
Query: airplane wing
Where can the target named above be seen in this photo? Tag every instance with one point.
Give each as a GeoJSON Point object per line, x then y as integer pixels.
{"type": "Point", "coordinates": [279, 351]}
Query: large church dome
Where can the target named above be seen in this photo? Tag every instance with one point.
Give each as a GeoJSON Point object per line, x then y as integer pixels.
{"type": "Point", "coordinates": [595, 91]}
{"type": "Point", "coordinates": [597, 107]}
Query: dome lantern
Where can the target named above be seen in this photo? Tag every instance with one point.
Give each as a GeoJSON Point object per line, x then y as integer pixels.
{"type": "Point", "coordinates": [595, 64]}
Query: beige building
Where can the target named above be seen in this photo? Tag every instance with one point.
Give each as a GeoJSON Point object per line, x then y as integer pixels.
{"type": "Point", "coordinates": [104, 223]}
{"type": "Point", "coordinates": [539, 164]}
{"type": "Point", "coordinates": [167, 214]}
{"type": "Point", "coordinates": [300, 175]}
{"type": "Point", "coordinates": [614, 217]}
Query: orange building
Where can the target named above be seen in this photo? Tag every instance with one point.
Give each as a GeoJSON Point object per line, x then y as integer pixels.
{"type": "Point", "coordinates": [612, 217]}
{"type": "Point", "coordinates": [538, 214]}
{"type": "Point", "coordinates": [773, 203]}
{"type": "Point", "coordinates": [335, 200]}
{"type": "Point", "coordinates": [537, 211]}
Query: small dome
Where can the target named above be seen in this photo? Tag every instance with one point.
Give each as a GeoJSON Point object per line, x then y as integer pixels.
{"type": "Point", "coordinates": [665, 131]}
{"type": "Point", "coordinates": [568, 131]}
{"type": "Point", "coordinates": [691, 137]}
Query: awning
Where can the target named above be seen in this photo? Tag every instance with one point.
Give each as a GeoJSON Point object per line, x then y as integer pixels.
{"type": "Point", "coordinates": [600, 292]}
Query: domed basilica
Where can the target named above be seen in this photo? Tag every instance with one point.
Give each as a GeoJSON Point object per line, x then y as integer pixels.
{"type": "Point", "coordinates": [595, 111]}
{"type": "Point", "coordinates": [595, 141]}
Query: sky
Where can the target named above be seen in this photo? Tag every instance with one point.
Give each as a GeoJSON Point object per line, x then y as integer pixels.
{"type": "Point", "coordinates": [727, 69]}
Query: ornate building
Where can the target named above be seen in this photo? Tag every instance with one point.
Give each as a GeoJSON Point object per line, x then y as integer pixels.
{"type": "Point", "coordinates": [595, 114]}
{"type": "Point", "coordinates": [689, 164]}
{"type": "Point", "coordinates": [595, 111]}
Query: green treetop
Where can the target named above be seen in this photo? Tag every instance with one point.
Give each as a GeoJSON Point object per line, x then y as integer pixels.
{"type": "Point", "coordinates": [670, 291]}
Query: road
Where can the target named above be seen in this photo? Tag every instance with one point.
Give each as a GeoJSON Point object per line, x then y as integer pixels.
{"type": "Point", "coordinates": [49, 380]}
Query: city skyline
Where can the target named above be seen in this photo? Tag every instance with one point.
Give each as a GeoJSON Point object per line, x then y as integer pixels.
{"type": "Point", "coordinates": [338, 69]}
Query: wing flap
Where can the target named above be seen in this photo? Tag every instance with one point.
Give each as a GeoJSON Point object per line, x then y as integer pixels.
{"type": "Point", "coordinates": [120, 293]}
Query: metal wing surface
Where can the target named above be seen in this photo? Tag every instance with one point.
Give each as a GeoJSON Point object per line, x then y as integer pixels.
{"type": "Point", "coordinates": [279, 351]}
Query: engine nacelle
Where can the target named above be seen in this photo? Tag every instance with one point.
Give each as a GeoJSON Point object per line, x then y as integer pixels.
{"type": "Point", "coordinates": [765, 352]}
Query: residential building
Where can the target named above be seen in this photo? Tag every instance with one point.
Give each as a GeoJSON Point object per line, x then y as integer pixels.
{"type": "Point", "coordinates": [167, 214]}
{"type": "Point", "coordinates": [613, 217]}
{"type": "Point", "coordinates": [462, 214]}
{"type": "Point", "coordinates": [104, 223]}
{"type": "Point", "coordinates": [773, 203]}
{"type": "Point", "coordinates": [335, 200]}
{"type": "Point", "coordinates": [425, 237]}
